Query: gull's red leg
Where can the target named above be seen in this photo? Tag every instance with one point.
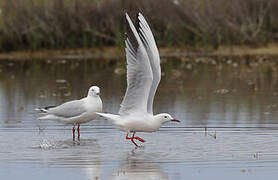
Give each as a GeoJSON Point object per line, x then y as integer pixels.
{"type": "Point", "coordinates": [131, 138]}
{"type": "Point", "coordinates": [139, 139]}
{"type": "Point", "coordinates": [126, 137]}
{"type": "Point", "coordinates": [73, 133]}
{"type": "Point", "coordinates": [78, 130]}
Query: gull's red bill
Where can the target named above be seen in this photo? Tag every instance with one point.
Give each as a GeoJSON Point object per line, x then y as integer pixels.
{"type": "Point", "coordinates": [175, 120]}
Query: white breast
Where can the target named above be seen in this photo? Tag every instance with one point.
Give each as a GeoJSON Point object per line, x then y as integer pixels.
{"type": "Point", "coordinates": [138, 124]}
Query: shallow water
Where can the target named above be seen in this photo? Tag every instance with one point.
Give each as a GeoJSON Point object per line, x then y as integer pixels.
{"type": "Point", "coordinates": [228, 111]}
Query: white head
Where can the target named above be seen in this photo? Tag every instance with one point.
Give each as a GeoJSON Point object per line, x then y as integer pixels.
{"type": "Point", "coordinates": [164, 117]}
{"type": "Point", "coordinates": [94, 91]}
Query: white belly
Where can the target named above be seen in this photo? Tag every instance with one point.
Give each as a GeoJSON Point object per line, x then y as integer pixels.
{"type": "Point", "coordinates": [138, 126]}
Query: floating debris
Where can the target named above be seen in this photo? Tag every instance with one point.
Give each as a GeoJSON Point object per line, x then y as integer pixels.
{"type": "Point", "coordinates": [42, 96]}
{"type": "Point", "coordinates": [271, 106]}
{"type": "Point", "coordinates": [61, 81]}
{"type": "Point", "coordinates": [222, 91]}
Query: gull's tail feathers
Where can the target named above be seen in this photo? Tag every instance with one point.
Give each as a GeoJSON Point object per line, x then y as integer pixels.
{"type": "Point", "coordinates": [111, 117]}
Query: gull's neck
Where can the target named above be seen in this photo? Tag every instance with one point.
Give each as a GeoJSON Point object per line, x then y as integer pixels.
{"type": "Point", "coordinates": [93, 97]}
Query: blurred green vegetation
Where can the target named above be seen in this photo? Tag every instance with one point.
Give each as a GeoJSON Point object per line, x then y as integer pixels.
{"type": "Point", "coordinates": [49, 24]}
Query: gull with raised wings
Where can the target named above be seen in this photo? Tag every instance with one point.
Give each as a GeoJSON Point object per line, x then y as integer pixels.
{"type": "Point", "coordinates": [143, 77]}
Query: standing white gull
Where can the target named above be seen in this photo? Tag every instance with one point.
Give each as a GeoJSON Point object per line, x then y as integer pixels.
{"type": "Point", "coordinates": [143, 76]}
{"type": "Point", "coordinates": [75, 112]}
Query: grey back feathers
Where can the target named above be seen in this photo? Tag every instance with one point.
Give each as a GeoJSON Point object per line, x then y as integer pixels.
{"type": "Point", "coordinates": [68, 109]}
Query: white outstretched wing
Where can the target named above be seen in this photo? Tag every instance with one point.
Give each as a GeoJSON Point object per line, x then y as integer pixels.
{"type": "Point", "coordinates": [147, 38]}
{"type": "Point", "coordinates": [139, 73]}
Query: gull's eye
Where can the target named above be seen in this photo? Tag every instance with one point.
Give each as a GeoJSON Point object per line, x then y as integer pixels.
{"type": "Point", "coordinates": [165, 117]}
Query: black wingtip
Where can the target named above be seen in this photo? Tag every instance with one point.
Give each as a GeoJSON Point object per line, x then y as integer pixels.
{"type": "Point", "coordinates": [130, 34]}
{"type": "Point", "coordinates": [48, 107]}
{"type": "Point", "coordinates": [45, 109]}
{"type": "Point", "coordinates": [137, 24]}
{"type": "Point", "coordinates": [42, 110]}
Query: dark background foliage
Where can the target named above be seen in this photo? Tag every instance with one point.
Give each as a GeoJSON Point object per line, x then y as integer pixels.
{"type": "Point", "coordinates": [45, 24]}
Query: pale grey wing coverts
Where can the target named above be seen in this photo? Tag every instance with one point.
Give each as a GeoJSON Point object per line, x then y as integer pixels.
{"type": "Point", "coordinates": [139, 73]}
{"type": "Point", "coordinates": [149, 43]}
{"type": "Point", "coordinates": [68, 109]}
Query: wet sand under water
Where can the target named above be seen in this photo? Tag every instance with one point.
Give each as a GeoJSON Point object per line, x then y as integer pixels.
{"type": "Point", "coordinates": [229, 127]}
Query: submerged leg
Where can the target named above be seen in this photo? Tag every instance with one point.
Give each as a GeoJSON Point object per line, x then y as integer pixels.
{"type": "Point", "coordinates": [78, 131]}
{"type": "Point", "coordinates": [73, 133]}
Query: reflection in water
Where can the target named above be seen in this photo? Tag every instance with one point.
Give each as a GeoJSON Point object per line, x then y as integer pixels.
{"type": "Point", "coordinates": [71, 153]}
{"type": "Point", "coordinates": [84, 154]}
{"type": "Point", "coordinates": [137, 166]}
{"type": "Point", "coordinates": [212, 95]}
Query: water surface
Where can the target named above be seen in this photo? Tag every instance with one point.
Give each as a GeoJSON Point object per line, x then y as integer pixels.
{"type": "Point", "coordinates": [228, 111]}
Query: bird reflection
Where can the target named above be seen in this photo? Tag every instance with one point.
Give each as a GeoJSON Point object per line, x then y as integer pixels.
{"type": "Point", "coordinates": [138, 166]}
{"type": "Point", "coordinates": [84, 154]}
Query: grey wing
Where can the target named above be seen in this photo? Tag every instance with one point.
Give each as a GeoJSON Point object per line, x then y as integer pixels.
{"type": "Point", "coordinates": [139, 73]}
{"type": "Point", "coordinates": [149, 43]}
{"type": "Point", "coordinates": [68, 109]}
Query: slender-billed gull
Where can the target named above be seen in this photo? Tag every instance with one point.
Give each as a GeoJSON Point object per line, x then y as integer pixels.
{"type": "Point", "coordinates": [75, 112]}
{"type": "Point", "coordinates": [143, 76]}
